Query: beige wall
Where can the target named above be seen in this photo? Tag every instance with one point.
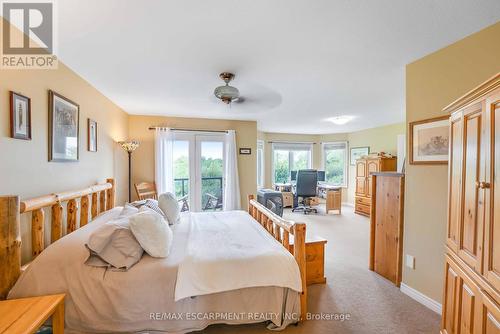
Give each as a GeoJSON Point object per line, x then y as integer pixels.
{"type": "Point", "coordinates": [431, 83]}
{"type": "Point", "coordinates": [24, 167]}
{"type": "Point", "coordinates": [143, 159]}
{"type": "Point", "coordinates": [379, 139]}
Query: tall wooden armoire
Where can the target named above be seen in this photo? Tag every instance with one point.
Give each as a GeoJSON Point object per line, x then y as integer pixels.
{"type": "Point", "coordinates": [472, 269]}
{"type": "Point", "coordinates": [364, 167]}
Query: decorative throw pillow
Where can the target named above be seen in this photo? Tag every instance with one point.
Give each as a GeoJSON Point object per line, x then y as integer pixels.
{"type": "Point", "coordinates": [170, 207]}
{"type": "Point", "coordinates": [149, 203]}
{"type": "Point", "coordinates": [152, 232]}
{"type": "Point", "coordinates": [114, 246]}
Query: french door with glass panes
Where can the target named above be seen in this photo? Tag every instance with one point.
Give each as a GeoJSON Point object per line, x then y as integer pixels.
{"type": "Point", "coordinates": [198, 168]}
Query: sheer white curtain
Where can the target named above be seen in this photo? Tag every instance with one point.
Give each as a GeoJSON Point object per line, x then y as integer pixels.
{"type": "Point", "coordinates": [164, 151]}
{"type": "Point", "coordinates": [232, 183]}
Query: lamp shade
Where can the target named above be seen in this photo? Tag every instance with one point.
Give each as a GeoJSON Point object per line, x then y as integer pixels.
{"type": "Point", "coordinates": [129, 145]}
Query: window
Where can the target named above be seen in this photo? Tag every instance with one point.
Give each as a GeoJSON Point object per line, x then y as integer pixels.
{"type": "Point", "coordinates": [288, 157]}
{"type": "Point", "coordinates": [335, 163]}
{"type": "Point", "coordinates": [260, 164]}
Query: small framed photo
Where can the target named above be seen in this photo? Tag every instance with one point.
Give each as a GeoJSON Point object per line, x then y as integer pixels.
{"type": "Point", "coordinates": [64, 117]}
{"type": "Point", "coordinates": [358, 152]}
{"type": "Point", "coordinates": [91, 135]}
{"type": "Point", "coordinates": [429, 140]}
{"type": "Point", "coordinates": [245, 150]}
{"type": "Point", "coordinates": [20, 116]}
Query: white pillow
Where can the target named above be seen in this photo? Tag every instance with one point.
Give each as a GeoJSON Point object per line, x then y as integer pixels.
{"type": "Point", "coordinates": [152, 232]}
{"type": "Point", "coordinates": [128, 210]}
{"type": "Point", "coordinates": [170, 207]}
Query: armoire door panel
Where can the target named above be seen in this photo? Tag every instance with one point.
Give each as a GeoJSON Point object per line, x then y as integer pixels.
{"type": "Point", "coordinates": [361, 168]}
{"type": "Point", "coordinates": [360, 186]}
{"type": "Point", "coordinates": [454, 191]}
{"type": "Point", "coordinates": [470, 222]}
{"type": "Point", "coordinates": [361, 178]}
{"type": "Point", "coordinates": [467, 310]}
{"type": "Point", "coordinates": [468, 305]}
{"type": "Point", "coordinates": [371, 167]}
{"type": "Point", "coordinates": [450, 301]}
{"type": "Point", "coordinates": [488, 316]}
{"type": "Point", "coordinates": [491, 269]}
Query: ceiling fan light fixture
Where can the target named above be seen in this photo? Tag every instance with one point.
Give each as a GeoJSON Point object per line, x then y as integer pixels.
{"type": "Point", "coordinates": [340, 120]}
{"type": "Point", "coordinates": [227, 93]}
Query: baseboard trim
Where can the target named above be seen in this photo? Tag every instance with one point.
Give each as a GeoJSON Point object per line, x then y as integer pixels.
{"type": "Point", "coordinates": [421, 298]}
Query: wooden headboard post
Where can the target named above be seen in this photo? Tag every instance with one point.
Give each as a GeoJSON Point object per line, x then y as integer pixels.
{"type": "Point", "coordinates": [11, 208]}
{"type": "Point", "coordinates": [10, 243]}
{"type": "Point", "coordinates": [281, 229]}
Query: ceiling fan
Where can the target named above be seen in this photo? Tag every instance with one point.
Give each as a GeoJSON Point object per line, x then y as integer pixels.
{"type": "Point", "coordinates": [226, 93]}
{"type": "Point", "coordinates": [257, 96]}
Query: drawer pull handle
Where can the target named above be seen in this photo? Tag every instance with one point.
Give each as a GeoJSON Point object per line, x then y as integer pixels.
{"type": "Point", "coordinates": [483, 185]}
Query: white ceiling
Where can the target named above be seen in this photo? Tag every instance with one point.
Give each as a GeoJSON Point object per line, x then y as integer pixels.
{"type": "Point", "coordinates": [296, 62]}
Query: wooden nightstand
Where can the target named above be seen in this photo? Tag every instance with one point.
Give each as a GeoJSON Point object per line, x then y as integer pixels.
{"type": "Point", "coordinates": [26, 315]}
{"type": "Point", "coordinates": [315, 260]}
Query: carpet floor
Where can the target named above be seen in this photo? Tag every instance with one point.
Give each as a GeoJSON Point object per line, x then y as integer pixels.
{"type": "Point", "coordinates": [374, 304]}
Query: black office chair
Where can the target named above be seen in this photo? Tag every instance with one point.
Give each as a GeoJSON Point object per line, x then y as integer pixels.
{"type": "Point", "coordinates": [307, 183]}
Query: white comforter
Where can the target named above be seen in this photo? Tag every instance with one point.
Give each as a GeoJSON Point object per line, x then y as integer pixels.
{"type": "Point", "coordinates": [228, 251]}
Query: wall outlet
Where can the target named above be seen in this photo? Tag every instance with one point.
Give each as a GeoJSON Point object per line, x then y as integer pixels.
{"type": "Point", "coordinates": [410, 261]}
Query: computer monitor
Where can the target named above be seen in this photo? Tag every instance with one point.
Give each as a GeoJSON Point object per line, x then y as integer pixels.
{"type": "Point", "coordinates": [321, 176]}
{"type": "Point", "coordinates": [293, 175]}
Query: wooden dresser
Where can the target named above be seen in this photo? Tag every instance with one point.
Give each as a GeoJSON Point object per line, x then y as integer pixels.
{"type": "Point", "coordinates": [386, 225]}
{"type": "Point", "coordinates": [364, 167]}
{"type": "Point", "coordinates": [472, 260]}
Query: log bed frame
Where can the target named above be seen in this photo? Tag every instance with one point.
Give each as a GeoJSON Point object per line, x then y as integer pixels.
{"type": "Point", "coordinates": [102, 198]}
{"type": "Point", "coordinates": [281, 229]}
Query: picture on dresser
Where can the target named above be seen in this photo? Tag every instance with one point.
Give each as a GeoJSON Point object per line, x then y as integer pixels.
{"type": "Point", "coordinates": [358, 152]}
{"type": "Point", "coordinates": [64, 116]}
{"type": "Point", "coordinates": [429, 141]}
{"type": "Point", "coordinates": [20, 116]}
{"type": "Point", "coordinates": [92, 135]}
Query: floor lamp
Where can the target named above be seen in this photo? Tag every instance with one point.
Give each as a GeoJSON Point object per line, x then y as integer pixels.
{"type": "Point", "coordinates": [129, 146]}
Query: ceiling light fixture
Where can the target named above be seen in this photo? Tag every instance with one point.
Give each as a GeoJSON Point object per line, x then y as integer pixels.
{"type": "Point", "coordinates": [340, 120]}
{"type": "Point", "coordinates": [227, 94]}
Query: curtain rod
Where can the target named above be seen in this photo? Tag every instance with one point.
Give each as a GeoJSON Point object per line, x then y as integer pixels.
{"type": "Point", "coordinates": [190, 130]}
{"type": "Point", "coordinates": [291, 142]}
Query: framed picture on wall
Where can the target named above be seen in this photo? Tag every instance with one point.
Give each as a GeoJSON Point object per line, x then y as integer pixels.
{"type": "Point", "coordinates": [91, 135]}
{"type": "Point", "coordinates": [358, 152]}
{"type": "Point", "coordinates": [64, 117]}
{"type": "Point", "coordinates": [429, 140]}
{"type": "Point", "coordinates": [20, 116]}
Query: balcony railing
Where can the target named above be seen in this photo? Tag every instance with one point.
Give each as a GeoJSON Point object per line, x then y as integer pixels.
{"type": "Point", "coordinates": [211, 191]}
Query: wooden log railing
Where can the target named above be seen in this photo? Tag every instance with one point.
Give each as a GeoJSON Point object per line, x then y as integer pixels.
{"type": "Point", "coordinates": [11, 208]}
{"type": "Point", "coordinates": [281, 229]}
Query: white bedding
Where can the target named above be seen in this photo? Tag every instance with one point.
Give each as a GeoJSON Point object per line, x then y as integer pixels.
{"type": "Point", "coordinates": [228, 251]}
{"type": "Point", "coordinates": [104, 301]}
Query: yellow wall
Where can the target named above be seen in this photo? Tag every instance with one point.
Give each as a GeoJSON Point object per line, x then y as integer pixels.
{"type": "Point", "coordinates": [379, 139]}
{"type": "Point", "coordinates": [143, 158]}
{"type": "Point", "coordinates": [24, 166]}
{"type": "Point", "coordinates": [431, 83]}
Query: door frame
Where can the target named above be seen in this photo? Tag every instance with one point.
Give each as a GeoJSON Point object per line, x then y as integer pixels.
{"type": "Point", "coordinates": [195, 138]}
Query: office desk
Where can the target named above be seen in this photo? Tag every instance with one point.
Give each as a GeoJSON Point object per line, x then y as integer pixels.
{"type": "Point", "coordinates": [332, 194]}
